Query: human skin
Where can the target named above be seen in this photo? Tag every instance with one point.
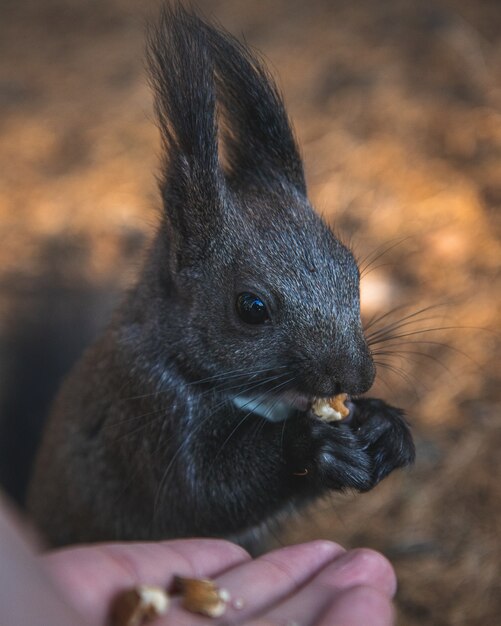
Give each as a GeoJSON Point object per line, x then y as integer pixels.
{"type": "Point", "coordinates": [312, 584]}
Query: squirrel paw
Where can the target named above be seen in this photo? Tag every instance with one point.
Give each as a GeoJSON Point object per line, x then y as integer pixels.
{"type": "Point", "coordinates": [330, 455]}
{"type": "Point", "coordinates": [355, 453]}
{"type": "Point", "coordinates": [381, 431]}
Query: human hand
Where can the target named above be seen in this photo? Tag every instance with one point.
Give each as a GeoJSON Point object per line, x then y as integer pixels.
{"type": "Point", "coordinates": [316, 583]}
{"type": "Point", "coordinates": [312, 584]}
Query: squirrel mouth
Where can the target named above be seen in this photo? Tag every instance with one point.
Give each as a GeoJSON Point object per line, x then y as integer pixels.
{"type": "Point", "coordinates": [296, 400]}
{"type": "Point", "coordinates": [285, 404]}
{"type": "Point", "coordinates": [331, 409]}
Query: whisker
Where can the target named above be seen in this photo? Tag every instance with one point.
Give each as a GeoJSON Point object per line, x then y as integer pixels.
{"type": "Point", "coordinates": [244, 388]}
{"type": "Point", "coordinates": [263, 396]}
{"type": "Point", "coordinates": [132, 418]}
{"type": "Point", "coordinates": [367, 261]}
{"type": "Point", "coordinates": [402, 374]}
{"type": "Point", "coordinates": [391, 337]}
{"type": "Point", "coordinates": [370, 269]}
{"type": "Point", "coordinates": [224, 376]}
{"type": "Point", "coordinates": [373, 320]}
{"type": "Point", "coordinates": [386, 330]}
{"type": "Point", "coordinates": [390, 332]}
{"type": "Point", "coordinates": [283, 434]}
{"type": "Point", "coordinates": [269, 411]}
{"type": "Point", "coordinates": [381, 378]}
{"type": "Point", "coordinates": [436, 343]}
{"type": "Point", "coordinates": [402, 353]}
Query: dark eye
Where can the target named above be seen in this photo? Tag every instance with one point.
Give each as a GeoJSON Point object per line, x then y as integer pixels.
{"type": "Point", "coordinates": [251, 309]}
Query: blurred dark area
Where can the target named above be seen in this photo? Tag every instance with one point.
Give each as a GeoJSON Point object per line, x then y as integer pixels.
{"type": "Point", "coordinates": [396, 105]}
{"type": "Point", "coordinates": [50, 321]}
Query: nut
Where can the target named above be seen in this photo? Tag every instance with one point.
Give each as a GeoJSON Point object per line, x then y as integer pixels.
{"type": "Point", "coordinates": [203, 596]}
{"type": "Point", "coordinates": [331, 409]}
{"type": "Point", "coordinates": [136, 606]}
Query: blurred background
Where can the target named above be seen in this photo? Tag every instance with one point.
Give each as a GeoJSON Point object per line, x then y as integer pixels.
{"type": "Point", "coordinates": [396, 105]}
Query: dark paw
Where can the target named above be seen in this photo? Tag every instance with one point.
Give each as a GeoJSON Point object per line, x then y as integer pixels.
{"type": "Point", "coordinates": [329, 455]}
{"type": "Point", "coordinates": [383, 434]}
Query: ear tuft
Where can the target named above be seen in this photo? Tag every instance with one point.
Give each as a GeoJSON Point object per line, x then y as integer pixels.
{"type": "Point", "coordinates": [259, 140]}
{"type": "Point", "coordinates": [194, 67]}
{"type": "Point", "coordinates": [182, 77]}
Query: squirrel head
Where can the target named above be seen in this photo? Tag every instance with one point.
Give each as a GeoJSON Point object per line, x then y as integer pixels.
{"type": "Point", "coordinates": [253, 279]}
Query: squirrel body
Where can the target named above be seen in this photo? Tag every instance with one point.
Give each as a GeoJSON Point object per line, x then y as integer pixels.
{"type": "Point", "coordinates": [190, 415]}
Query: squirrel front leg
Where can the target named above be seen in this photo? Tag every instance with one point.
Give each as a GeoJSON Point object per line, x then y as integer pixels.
{"type": "Point", "coordinates": [234, 474]}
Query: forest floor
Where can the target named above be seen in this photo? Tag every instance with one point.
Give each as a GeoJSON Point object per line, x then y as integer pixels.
{"type": "Point", "coordinates": [396, 105]}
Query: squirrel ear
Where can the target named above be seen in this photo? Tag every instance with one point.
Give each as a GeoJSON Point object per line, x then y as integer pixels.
{"type": "Point", "coordinates": [182, 76]}
{"type": "Point", "coordinates": [259, 142]}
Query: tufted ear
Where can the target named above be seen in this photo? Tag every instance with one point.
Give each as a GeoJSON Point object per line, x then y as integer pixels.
{"type": "Point", "coordinates": [192, 182]}
{"type": "Point", "coordinates": [198, 71]}
{"type": "Point", "coordinates": [259, 142]}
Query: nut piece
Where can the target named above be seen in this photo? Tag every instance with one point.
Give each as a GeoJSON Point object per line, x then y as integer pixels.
{"type": "Point", "coordinates": [331, 409]}
{"type": "Point", "coordinates": [203, 596]}
{"type": "Point", "coordinates": [139, 605]}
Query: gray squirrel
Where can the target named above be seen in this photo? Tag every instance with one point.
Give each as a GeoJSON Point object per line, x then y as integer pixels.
{"type": "Point", "coordinates": [191, 415]}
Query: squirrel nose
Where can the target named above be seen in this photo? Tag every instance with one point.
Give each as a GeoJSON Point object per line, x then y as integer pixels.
{"type": "Point", "coordinates": [350, 378]}
{"type": "Point", "coordinates": [349, 371]}
{"type": "Point", "coordinates": [353, 366]}
{"type": "Point", "coordinates": [355, 378]}
{"type": "Point", "coordinates": [326, 386]}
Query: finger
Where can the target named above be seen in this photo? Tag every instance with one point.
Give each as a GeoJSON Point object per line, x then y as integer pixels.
{"type": "Point", "coordinates": [258, 584]}
{"type": "Point", "coordinates": [359, 606]}
{"type": "Point", "coordinates": [360, 568]}
{"type": "Point", "coordinates": [92, 575]}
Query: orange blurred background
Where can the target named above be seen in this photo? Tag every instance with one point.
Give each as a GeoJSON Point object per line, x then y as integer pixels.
{"type": "Point", "coordinates": [396, 105]}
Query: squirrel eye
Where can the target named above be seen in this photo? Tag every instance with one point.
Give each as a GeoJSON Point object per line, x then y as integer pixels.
{"type": "Point", "coordinates": [251, 309]}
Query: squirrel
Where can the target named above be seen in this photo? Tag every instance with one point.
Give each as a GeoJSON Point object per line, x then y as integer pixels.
{"type": "Point", "coordinates": [191, 414]}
